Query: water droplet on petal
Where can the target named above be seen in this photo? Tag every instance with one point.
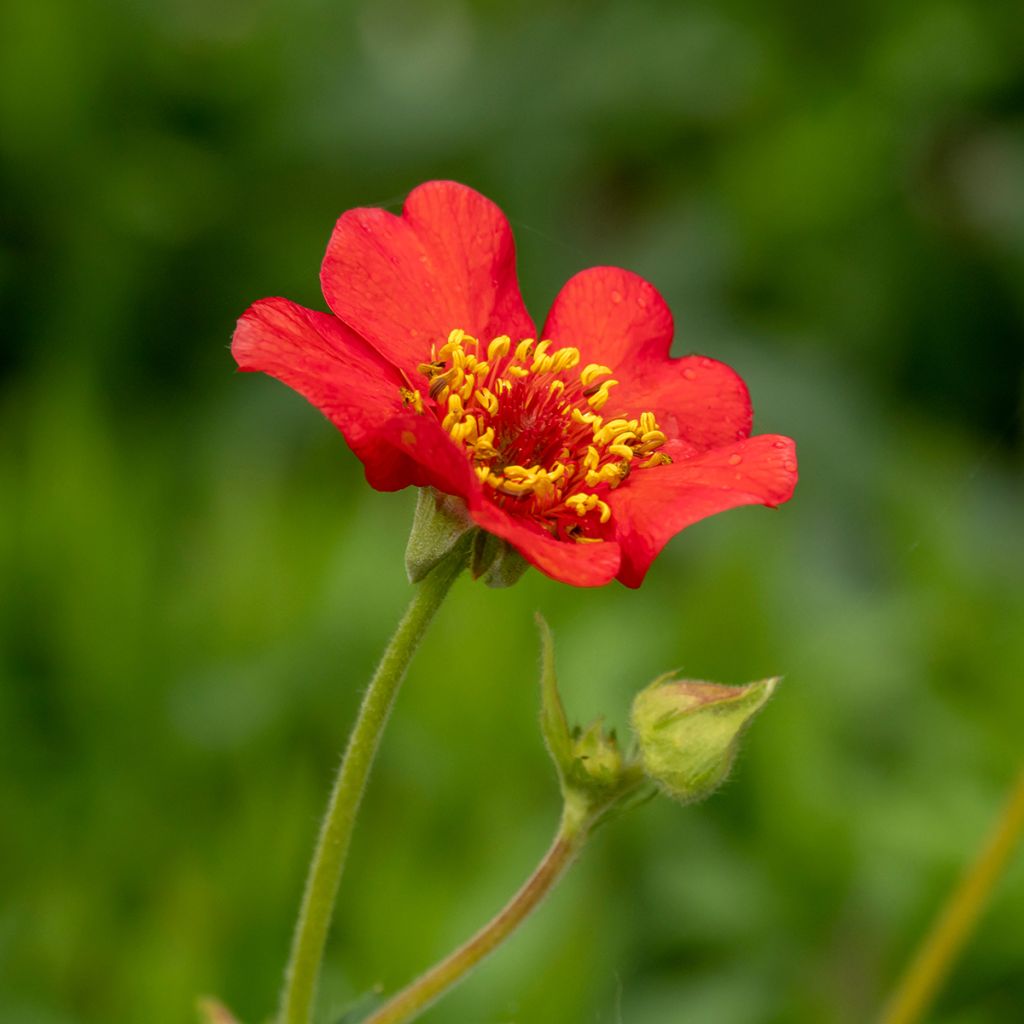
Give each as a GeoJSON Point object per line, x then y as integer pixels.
{"type": "Point", "coordinates": [616, 297]}
{"type": "Point", "coordinates": [779, 444]}
{"type": "Point", "coordinates": [735, 460]}
{"type": "Point", "coordinates": [689, 373]}
{"type": "Point", "coordinates": [641, 301]}
{"type": "Point", "coordinates": [789, 466]}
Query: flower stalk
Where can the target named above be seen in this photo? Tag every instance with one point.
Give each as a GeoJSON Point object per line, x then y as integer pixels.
{"type": "Point", "coordinates": [931, 966]}
{"type": "Point", "coordinates": [429, 987]}
{"type": "Point", "coordinates": [332, 846]}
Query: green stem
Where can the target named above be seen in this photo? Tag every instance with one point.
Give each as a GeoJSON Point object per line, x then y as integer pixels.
{"type": "Point", "coordinates": [953, 927]}
{"type": "Point", "coordinates": [336, 830]}
{"type": "Point", "coordinates": [425, 990]}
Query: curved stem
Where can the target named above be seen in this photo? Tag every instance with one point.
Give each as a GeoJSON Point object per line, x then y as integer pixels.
{"type": "Point", "coordinates": [935, 957]}
{"type": "Point", "coordinates": [336, 831]}
{"type": "Point", "coordinates": [426, 989]}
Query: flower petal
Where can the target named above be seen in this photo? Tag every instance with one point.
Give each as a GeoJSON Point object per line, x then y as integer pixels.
{"type": "Point", "coordinates": [406, 282]}
{"type": "Point", "coordinates": [613, 317]}
{"type": "Point", "coordinates": [620, 320]}
{"type": "Point", "coordinates": [655, 504]}
{"type": "Point", "coordinates": [355, 388]}
{"type": "Point", "coordinates": [582, 565]}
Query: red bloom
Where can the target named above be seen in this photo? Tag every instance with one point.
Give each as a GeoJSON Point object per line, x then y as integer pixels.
{"type": "Point", "coordinates": [587, 450]}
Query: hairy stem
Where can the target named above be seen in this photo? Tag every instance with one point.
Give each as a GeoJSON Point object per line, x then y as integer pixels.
{"type": "Point", "coordinates": [336, 831]}
{"type": "Point", "coordinates": [425, 990]}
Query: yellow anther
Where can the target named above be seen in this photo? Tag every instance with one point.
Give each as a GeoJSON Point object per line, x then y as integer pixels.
{"type": "Point", "coordinates": [455, 337]}
{"type": "Point", "coordinates": [503, 384]}
{"type": "Point", "coordinates": [499, 347]}
{"type": "Point", "coordinates": [519, 472]}
{"type": "Point", "coordinates": [564, 359]}
{"type": "Point", "coordinates": [488, 400]}
{"type": "Point", "coordinates": [593, 458]}
{"type": "Point", "coordinates": [524, 349]}
{"type": "Point", "coordinates": [455, 404]}
{"type": "Point", "coordinates": [598, 399]}
{"type": "Point", "coordinates": [440, 384]}
{"type": "Point", "coordinates": [592, 370]}
{"type": "Point", "coordinates": [622, 450]}
{"type": "Point", "coordinates": [657, 459]}
{"type": "Point", "coordinates": [624, 437]}
{"type": "Point", "coordinates": [588, 418]}
{"type": "Point", "coordinates": [651, 435]}
{"type": "Point", "coordinates": [484, 444]}
{"type": "Point", "coordinates": [556, 472]}
{"type": "Point", "coordinates": [556, 386]}
{"type": "Point", "coordinates": [606, 512]}
{"type": "Point", "coordinates": [541, 361]}
{"type": "Point", "coordinates": [519, 371]}
{"type": "Point", "coordinates": [482, 472]}
{"type": "Point", "coordinates": [515, 487]}
{"type": "Point", "coordinates": [431, 369]}
{"type": "Point", "coordinates": [647, 423]}
{"type": "Point", "coordinates": [479, 368]}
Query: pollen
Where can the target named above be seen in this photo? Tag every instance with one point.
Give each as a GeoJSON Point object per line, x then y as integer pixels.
{"type": "Point", "coordinates": [531, 424]}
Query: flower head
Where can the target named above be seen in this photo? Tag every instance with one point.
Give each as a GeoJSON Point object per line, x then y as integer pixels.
{"type": "Point", "coordinates": [585, 447]}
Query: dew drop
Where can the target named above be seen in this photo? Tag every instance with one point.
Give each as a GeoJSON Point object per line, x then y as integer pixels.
{"type": "Point", "coordinates": [741, 434]}
{"type": "Point", "coordinates": [789, 466]}
{"type": "Point", "coordinates": [616, 297]}
{"type": "Point", "coordinates": [778, 444]}
{"type": "Point", "coordinates": [641, 301]}
{"type": "Point", "coordinates": [735, 460]}
{"type": "Point", "coordinates": [689, 374]}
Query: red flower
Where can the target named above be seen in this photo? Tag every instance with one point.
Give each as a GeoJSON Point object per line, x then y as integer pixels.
{"type": "Point", "coordinates": [587, 450]}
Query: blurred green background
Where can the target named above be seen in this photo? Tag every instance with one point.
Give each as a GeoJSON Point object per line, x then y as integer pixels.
{"type": "Point", "coordinates": [195, 581]}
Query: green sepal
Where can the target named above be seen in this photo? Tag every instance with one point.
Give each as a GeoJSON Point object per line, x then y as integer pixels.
{"type": "Point", "coordinates": [595, 778]}
{"type": "Point", "coordinates": [495, 561]}
{"type": "Point", "coordinates": [438, 523]}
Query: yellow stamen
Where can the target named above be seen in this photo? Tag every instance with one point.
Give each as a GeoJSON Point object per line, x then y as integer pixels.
{"type": "Point", "coordinates": [467, 395]}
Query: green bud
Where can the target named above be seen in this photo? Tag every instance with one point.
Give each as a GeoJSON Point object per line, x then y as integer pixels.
{"type": "Point", "coordinates": [597, 761]}
{"type": "Point", "coordinates": [438, 523]}
{"type": "Point", "coordinates": [688, 731]}
{"type": "Point", "coordinates": [591, 769]}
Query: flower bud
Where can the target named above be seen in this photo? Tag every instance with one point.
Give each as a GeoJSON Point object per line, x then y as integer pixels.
{"type": "Point", "coordinates": [597, 761]}
{"type": "Point", "coordinates": [688, 731]}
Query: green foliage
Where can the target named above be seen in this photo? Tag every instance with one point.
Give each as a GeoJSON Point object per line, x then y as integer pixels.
{"type": "Point", "coordinates": [195, 582]}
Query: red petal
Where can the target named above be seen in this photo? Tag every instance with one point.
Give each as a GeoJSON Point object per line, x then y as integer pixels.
{"type": "Point", "coordinates": [696, 399]}
{"type": "Point", "coordinates": [613, 317]}
{"type": "Point", "coordinates": [405, 282]}
{"type": "Point", "coordinates": [582, 565]}
{"type": "Point", "coordinates": [655, 504]}
{"type": "Point", "coordinates": [620, 320]}
{"type": "Point", "coordinates": [413, 449]}
{"type": "Point", "coordinates": [355, 388]}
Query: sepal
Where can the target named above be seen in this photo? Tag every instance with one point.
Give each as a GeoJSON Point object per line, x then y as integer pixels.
{"type": "Point", "coordinates": [438, 523]}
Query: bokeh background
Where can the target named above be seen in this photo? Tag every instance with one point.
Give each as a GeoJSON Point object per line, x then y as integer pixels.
{"type": "Point", "coordinates": [195, 581]}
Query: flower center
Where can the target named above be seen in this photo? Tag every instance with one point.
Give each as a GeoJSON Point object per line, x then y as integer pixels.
{"type": "Point", "coordinates": [530, 421]}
